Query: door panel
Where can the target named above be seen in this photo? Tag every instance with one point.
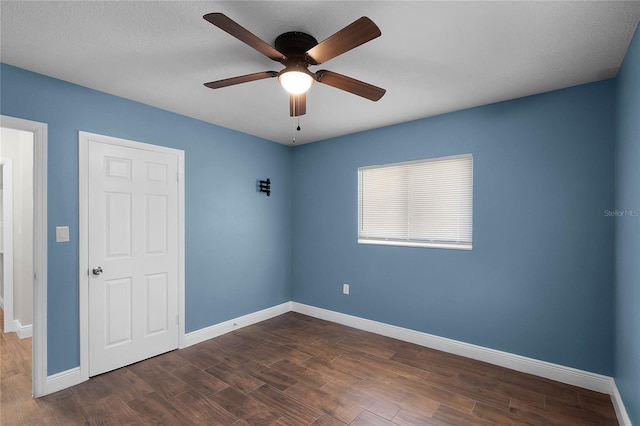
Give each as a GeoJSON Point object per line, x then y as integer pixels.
{"type": "Point", "coordinates": [156, 296]}
{"type": "Point", "coordinates": [156, 232]}
{"type": "Point", "coordinates": [133, 238]}
{"type": "Point", "coordinates": [117, 299]}
{"type": "Point", "coordinates": [118, 217]}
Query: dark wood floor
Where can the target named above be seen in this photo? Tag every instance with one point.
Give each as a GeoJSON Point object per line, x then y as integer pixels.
{"type": "Point", "coordinates": [297, 370]}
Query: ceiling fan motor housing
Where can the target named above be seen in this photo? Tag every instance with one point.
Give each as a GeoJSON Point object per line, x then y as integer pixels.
{"type": "Point", "coordinates": [294, 44]}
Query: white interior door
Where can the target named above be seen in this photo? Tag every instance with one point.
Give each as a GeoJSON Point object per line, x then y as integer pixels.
{"type": "Point", "coordinates": [133, 255]}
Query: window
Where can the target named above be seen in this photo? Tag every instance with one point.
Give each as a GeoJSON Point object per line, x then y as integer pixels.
{"type": "Point", "coordinates": [426, 203]}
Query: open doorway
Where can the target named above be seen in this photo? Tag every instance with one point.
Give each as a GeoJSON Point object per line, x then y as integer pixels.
{"type": "Point", "coordinates": [23, 157]}
{"type": "Point", "coordinates": [6, 242]}
{"type": "Point", "coordinates": [16, 216]}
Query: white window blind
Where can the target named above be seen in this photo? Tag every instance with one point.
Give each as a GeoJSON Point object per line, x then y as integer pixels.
{"type": "Point", "coordinates": [425, 203]}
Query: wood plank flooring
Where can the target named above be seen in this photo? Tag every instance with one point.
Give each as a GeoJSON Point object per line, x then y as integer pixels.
{"type": "Point", "coordinates": [298, 370]}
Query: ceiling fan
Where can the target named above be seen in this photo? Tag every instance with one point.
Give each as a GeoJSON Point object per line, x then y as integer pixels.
{"type": "Point", "coordinates": [297, 51]}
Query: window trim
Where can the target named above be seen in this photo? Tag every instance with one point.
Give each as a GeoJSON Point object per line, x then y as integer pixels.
{"type": "Point", "coordinates": [466, 246]}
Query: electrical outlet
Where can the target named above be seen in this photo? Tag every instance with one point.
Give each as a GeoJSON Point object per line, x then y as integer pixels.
{"type": "Point", "coordinates": [345, 288]}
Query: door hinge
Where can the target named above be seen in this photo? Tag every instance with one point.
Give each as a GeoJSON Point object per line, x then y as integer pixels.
{"type": "Point", "coordinates": [178, 319]}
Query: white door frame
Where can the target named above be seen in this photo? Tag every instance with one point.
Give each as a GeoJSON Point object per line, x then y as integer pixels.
{"type": "Point", "coordinates": [39, 342]}
{"type": "Point", "coordinates": [7, 234]}
{"type": "Point", "coordinates": [83, 150]}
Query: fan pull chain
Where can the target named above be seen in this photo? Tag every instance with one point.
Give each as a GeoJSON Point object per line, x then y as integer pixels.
{"type": "Point", "coordinates": [298, 128]}
{"type": "Point", "coordinates": [293, 133]}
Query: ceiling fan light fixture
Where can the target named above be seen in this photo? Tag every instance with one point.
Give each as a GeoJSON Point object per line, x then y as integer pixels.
{"type": "Point", "coordinates": [295, 81]}
{"type": "Point", "coordinates": [297, 51]}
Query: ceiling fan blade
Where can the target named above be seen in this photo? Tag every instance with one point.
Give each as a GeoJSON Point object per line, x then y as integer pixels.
{"type": "Point", "coordinates": [350, 85]}
{"type": "Point", "coordinates": [241, 79]}
{"type": "Point", "coordinates": [226, 24]}
{"type": "Point", "coordinates": [351, 36]}
{"type": "Point", "coordinates": [297, 104]}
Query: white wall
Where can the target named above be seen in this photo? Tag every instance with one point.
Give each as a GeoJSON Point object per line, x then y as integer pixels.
{"type": "Point", "coordinates": [1, 242]}
{"type": "Point", "coordinates": [18, 146]}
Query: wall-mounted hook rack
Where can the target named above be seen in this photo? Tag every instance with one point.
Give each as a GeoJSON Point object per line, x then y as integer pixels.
{"type": "Point", "coordinates": [265, 186]}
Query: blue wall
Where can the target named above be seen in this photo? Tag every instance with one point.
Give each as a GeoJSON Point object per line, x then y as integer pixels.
{"type": "Point", "coordinates": [539, 279]}
{"type": "Point", "coordinates": [627, 231]}
{"type": "Point", "coordinates": [238, 242]}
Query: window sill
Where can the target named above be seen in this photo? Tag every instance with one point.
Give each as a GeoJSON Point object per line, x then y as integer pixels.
{"type": "Point", "coordinates": [440, 245]}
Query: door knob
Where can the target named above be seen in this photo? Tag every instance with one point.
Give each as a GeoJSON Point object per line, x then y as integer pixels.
{"type": "Point", "coordinates": [97, 271]}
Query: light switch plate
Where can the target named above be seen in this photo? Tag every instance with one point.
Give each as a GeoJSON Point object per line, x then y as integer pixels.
{"type": "Point", "coordinates": [62, 234]}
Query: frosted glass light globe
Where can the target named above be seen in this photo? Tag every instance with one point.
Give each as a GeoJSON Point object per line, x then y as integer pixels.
{"type": "Point", "coordinates": [295, 82]}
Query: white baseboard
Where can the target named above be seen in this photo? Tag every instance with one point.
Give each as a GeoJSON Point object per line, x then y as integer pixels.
{"type": "Point", "coordinates": [23, 331]}
{"type": "Point", "coordinates": [63, 380]}
{"type": "Point", "coordinates": [618, 405]}
{"type": "Point", "coordinates": [15, 326]}
{"type": "Point", "coordinates": [233, 324]}
{"type": "Point", "coordinates": [572, 376]}
{"type": "Point", "coordinates": [10, 327]}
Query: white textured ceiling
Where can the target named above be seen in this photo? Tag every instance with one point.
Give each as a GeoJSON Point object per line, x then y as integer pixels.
{"type": "Point", "coordinates": [432, 57]}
